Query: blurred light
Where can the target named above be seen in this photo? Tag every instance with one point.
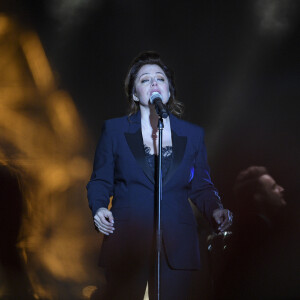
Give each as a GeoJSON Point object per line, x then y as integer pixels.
{"type": "Point", "coordinates": [65, 119]}
{"type": "Point", "coordinates": [146, 296]}
{"type": "Point", "coordinates": [37, 61]}
{"type": "Point", "coordinates": [42, 135]}
{"type": "Point", "coordinates": [274, 15]}
{"type": "Point", "coordinates": [88, 291]}
{"type": "Point", "coordinates": [68, 14]}
{"type": "Point", "coordinates": [4, 24]}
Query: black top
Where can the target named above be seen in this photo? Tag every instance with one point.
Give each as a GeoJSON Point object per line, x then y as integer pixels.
{"type": "Point", "coordinates": [167, 156]}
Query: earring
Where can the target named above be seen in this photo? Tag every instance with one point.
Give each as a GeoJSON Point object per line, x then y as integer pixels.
{"type": "Point", "coordinates": [135, 98]}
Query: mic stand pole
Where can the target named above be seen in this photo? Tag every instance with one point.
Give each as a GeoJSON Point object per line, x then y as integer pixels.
{"type": "Point", "coordinates": [159, 198]}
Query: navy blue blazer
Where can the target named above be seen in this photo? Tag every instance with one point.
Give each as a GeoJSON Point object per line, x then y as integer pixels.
{"type": "Point", "coordinates": [120, 170]}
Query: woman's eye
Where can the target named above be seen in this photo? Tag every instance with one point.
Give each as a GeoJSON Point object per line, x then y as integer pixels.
{"type": "Point", "coordinates": [144, 80]}
{"type": "Point", "coordinates": [160, 79]}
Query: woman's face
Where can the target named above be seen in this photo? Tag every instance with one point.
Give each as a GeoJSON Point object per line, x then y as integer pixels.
{"type": "Point", "coordinates": [149, 79]}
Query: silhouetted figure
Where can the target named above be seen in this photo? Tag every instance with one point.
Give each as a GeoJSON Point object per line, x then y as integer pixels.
{"type": "Point", "coordinates": [257, 265]}
{"type": "Point", "coordinates": [15, 282]}
{"type": "Point", "coordinates": [258, 198]}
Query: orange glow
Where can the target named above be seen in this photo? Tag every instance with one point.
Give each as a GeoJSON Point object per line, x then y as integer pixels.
{"type": "Point", "coordinates": [88, 291]}
{"type": "Point", "coordinates": [43, 138]}
{"type": "Point", "coordinates": [37, 61]}
{"type": "Point", "coordinates": [4, 24]}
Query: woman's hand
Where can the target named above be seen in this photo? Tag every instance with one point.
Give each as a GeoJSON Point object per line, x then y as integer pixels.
{"type": "Point", "coordinates": [104, 221]}
{"type": "Point", "coordinates": [223, 218]}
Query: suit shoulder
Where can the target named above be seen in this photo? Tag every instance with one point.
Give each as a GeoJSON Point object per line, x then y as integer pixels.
{"type": "Point", "coordinates": [115, 124]}
{"type": "Point", "coordinates": [191, 128]}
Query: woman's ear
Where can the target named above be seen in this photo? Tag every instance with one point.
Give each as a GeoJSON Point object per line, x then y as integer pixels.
{"type": "Point", "coordinates": [135, 98]}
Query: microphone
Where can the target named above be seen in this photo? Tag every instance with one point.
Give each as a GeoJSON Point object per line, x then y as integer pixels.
{"type": "Point", "coordinates": [161, 110]}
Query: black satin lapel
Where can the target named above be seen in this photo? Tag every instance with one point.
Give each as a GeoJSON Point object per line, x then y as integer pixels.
{"type": "Point", "coordinates": [179, 144]}
{"type": "Point", "coordinates": [135, 143]}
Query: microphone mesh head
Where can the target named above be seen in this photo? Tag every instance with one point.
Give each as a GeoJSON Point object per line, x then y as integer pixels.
{"type": "Point", "coordinates": [154, 96]}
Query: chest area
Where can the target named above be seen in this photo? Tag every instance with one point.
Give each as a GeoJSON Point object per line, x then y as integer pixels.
{"type": "Point", "coordinates": [151, 140]}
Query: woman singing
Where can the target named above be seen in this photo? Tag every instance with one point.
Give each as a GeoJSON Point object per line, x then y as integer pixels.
{"type": "Point", "coordinates": [124, 168]}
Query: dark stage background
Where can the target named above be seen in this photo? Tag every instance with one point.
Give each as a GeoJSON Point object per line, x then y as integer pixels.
{"type": "Point", "coordinates": [237, 71]}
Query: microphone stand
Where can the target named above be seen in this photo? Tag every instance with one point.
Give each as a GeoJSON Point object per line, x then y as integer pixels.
{"type": "Point", "coordinates": [159, 198]}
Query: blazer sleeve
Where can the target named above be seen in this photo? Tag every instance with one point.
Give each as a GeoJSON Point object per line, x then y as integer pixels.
{"type": "Point", "coordinates": [203, 192]}
{"type": "Point", "coordinates": [100, 186]}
